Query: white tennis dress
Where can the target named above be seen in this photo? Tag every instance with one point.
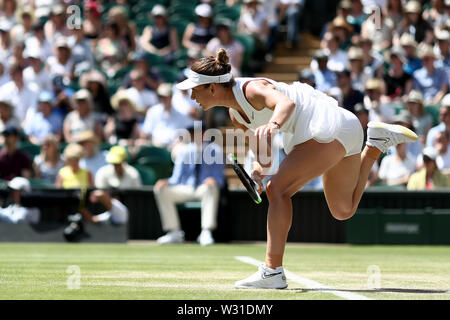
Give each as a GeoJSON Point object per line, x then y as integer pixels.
{"type": "Point", "coordinates": [316, 116]}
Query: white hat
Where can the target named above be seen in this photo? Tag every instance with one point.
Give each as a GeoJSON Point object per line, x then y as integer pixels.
{"type": "Point", "coordinates": [196, 79]}
{"type": "Point", "coordinates": [446, 100]}
{"type": "Point", "coordinates": [33, 52]}
{"type": "Point", "coordinates": [19, 183]}
{"type": "Point", "coordinates": [159, 10]}
{"type": "Point", "coordinates": [429, 152]}
{"type": "Point", "coordinates": [203, 10]}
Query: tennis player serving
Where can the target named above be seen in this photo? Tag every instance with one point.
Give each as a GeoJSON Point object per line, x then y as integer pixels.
{"type": "Point", "coordinates": [319, 138]}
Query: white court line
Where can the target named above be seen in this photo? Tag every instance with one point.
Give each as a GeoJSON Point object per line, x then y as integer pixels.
{"type": "Point", "coordinates": [307, 282]}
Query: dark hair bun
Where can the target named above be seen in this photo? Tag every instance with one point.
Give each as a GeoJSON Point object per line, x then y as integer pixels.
{"type": "Point", "coordinates": [222, 56]}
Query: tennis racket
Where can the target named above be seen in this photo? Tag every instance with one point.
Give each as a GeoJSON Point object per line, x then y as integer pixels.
{"type": "Point", "coordinates": [248, 182]}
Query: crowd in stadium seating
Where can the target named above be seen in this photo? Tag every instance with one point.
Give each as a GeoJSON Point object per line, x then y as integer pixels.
{"type": "Point", "coordinates": [105, 78]}
{"type": "Point", "coordinates": [389, 61]}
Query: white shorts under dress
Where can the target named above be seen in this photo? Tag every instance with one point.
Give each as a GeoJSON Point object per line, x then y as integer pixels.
{"type": "Point", "coordinates": [316, 116]}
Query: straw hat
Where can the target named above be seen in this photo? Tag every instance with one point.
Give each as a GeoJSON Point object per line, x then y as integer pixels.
{"type": "Point", "coordinates": [340, 22]}
{"type": "Point", "coordinates": [413, 7]}
{"type": "Point", "coordinates": [92, 76]}
{"type": "Point", "coordinates": [87, 135]}
{"type": "Point", "coordinates": [73, 151]}
{"type": "Point", "coordinates": [374, 84]}
{"type": "Point", "coordinates": [407, 39]}
{"type": "Point", "coordinates": [120, 96]}
{"type": "Point", "coordinates": [427, 51]}
{"type": "Point", "coordinates": [165, 90]}
{"type": "Point", "coordinates": [415, 96]}
{"type": "Point", "coordinates": [82, 94]}
{"type": "Point", "coordinates": [355, 53]}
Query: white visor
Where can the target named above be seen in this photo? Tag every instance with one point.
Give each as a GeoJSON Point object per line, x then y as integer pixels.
{"type": "Point", "coordinates": [196, 79]}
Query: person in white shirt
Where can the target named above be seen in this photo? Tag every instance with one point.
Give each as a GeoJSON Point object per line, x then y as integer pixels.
{"type": "Point", "coordinates": [142, 97]}
{"type": "Point", "coordinates": [22, 96]}
{"type": "Point", "coordinates": [117, 173]}
{"type": "Point", "coordinates": [396, 169]}
{"type": "Point", "coordinates": [61, 63]}
{"type": "Point", "coordinates": [163, 121]}
{"type": "Point", "coordinates": [337, 58]}
{"type": "Point", "coordinates": [442, 150]}
{"type": "Point", "coordinates": [35, 73]}
{"type": "Point", "coordinates": [378, 111]}
{"type": "Point", "coordinates": [93, 158]}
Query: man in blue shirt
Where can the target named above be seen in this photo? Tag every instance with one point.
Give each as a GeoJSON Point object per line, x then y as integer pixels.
{"type": "Point", "coordinates": [431, 81]}
{"type": "Point", "coordinates": [325, 79]}
{"type": "Point", "coordinates": [444, 118]}
{"type": "Point", "coordinates": [198, 174]}
{"type": "Point", "coordinates": [45, 121]}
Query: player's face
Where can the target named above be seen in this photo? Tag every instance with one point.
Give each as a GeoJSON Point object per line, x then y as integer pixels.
{"type": "Point", "coordinates": [202, 95]}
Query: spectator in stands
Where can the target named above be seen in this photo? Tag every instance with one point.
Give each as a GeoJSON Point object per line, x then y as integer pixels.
{"type": "Point", "coordinates": [95, 82]}
{"type": "Point", "coordinates": [224, 39]}
{"type": "Point", "coordinates": [7, 117]}
{"type": "Point", "coordinates": [197, 35]}
{"type": "Point", "coordinates": [93, 158]}
{"type": "Point", "coordinates": [15, 212]}
{"type": "Point", "coordinates": [19, 93]}
{"type": "Point", "coordinates": [413, 63]}
{"type": "Point", "coordinates": [4, 76]}
{"type": "Point", "coordinates": [404, 119]}
{"type": "Point", "coordinates": [92, 24]}
{"type": "Point", "coordinates": [324, 78]}
{"type": "Point", "coordinates": [357, 16]}
{"type": "Point", "coordinates": [337, 59]}
{"type": "Point", "coordinates": [82, 50]}
{"type": "Point", "coordinates": [182, 101]}
{"type": "Point", "coordinates": [421, 120]}
{"type": "Point", "coordinates": [194, 178]}
{"type": "Point", "coordinates": [444, 118]}
{"type": "Point", "coordinates": [25, 19]}
{"type": "Point", "coordinates": [307, 76]}
{"type": "Point", "coordinates": [358, 72]}
{"type": "Point", "coordinates": [39, 42]}
{"type": "Point", "coordinates": [163, 121]}
{"type": "Point", "coordinates": [71, 175]}
{"type": "Point", "coordinates": [81, 118]}
{"type": "Point", "coordinates": [110, 52]}
{"type": "Point", "coordinates": [442, 47]}
{"type": "Point", "coordinates": [343, 31]}
{"type": "Point", "coordinates": [17, 49]}
{"type": "Point", "coordinates": [116, 212]}
{"type": "Point", "coordinates": [123, 126]}
{"type": "Point", "coordinates": [291, 10]}
{"type": "Point", "coordinates": [62, 63]}
{"type": "Point", "coordinates": [398, 83]}
{"type": "Point", "coordinates": [47, 164]}
{"type": "Point", "coordinates": [378, 111]}
{"type": "Point", "coordinates": [253, 22]}
{"type": "Point", "coordinates": [151, 75]}
{"type": "Point", "coordinates": [442, 147]}
{"type": "Point", "coordinates": [8, 11]}
{"type": "Point", "coordinates": [379, 29]}
{"type": "Point", "coordinates": [160, 38]}
{"type": "Point", "coordinates": [143, 98]}
{"type": "Point", "coordinates": [396, 169]}
{"type": "Point", "coordinates": [35, 72]}
{"type": "Point", "coordinates": [414, 24]}
{"type": "Point", "coordinates": [127, 29]}
{"type": "Point", "coordinates": [117, 174]}
{"type": "Point", "coordinates": [349, 94]}
{"type": "Point", "coordinates": [63, 95]}
{"type": "Point", "coordinates": [45, 121]}
{"type": "Point", "coordinates": [5, 41]}
{"type": "Point", "coordinates": [428, 178]}
{"type": "Point", "coordinates": [13, 162]}
{"type": "Point", "coordinates": [431, 81]}
{"type": "Point", "coordinates": [56, 26]}
{"type": "Point", "coordinates": [373, 61]}
{"type": "Point", "coordinates": [436, 15]}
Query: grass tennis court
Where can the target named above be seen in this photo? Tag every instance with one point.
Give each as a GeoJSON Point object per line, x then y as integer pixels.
{"type": "Point", "coordinates": [147, 271]}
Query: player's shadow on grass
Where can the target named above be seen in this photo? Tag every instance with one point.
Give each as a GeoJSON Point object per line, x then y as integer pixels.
{"type": "Point", "coordinates": [381, 290]}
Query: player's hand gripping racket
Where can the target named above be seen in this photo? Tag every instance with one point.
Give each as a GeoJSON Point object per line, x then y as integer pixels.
{"type": "Point", "coordinates": [248, 182]}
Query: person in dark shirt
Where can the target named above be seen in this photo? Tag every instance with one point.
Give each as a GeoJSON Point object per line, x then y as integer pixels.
{"type": "Point", "coordinates": [13, 162]}
{"type": "Point", "coordinates": [350, 96]}
{"type": "Point", "coordinates": [398, 82]}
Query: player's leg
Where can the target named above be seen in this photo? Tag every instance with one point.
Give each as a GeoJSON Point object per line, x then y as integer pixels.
{"type": "Point", "coordinates": [304, 163]}
{"type": "Point", "coordinates": [344, 183]}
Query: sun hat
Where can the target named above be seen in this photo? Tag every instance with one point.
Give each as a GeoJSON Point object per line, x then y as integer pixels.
{"type": "Point", "coordinates": [203, 10]}
{"type": "Point", "coordinates": [72, 151]}
{"type": "Point", "coordinates": [116, 155]}
{"type": "Point", "coordinates": [120, 96]}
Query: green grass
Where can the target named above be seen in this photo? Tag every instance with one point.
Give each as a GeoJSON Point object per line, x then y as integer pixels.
{"type": "Point", "coordinates": [137, 271]}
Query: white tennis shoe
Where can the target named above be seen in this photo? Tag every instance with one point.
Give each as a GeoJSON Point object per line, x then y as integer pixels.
{"type": "Point", "coordinates": [383, 136]}
{"type": "Point", "coordinates": [170, 237]}
{"type": "Point", "coordinates": [205, 238]}
{"type": "Point", "coordinates": [264, 278]}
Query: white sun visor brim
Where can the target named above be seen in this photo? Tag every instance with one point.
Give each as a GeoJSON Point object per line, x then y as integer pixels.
{"type": "Point", "coordinates": [196, 79]}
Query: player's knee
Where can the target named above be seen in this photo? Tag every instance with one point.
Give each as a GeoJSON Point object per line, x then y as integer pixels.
{"type": "Point", "coordinates": [343, 214]}
{"type": "Point", "coordinates": [275, 191]}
